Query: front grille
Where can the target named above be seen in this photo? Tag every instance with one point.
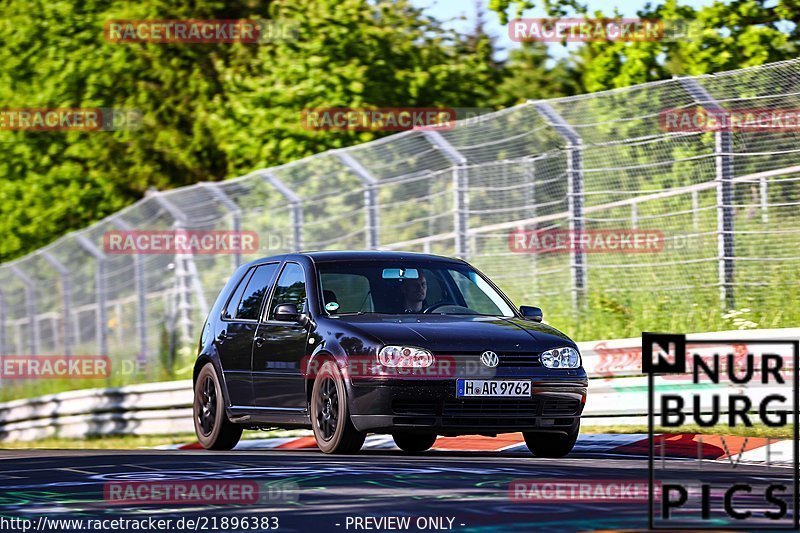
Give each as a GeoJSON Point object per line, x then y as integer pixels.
{"type": "Point", "coordinates": [521, 360]}
{"type": "Point", "coordinates": [486, 412]}
{"type": "Point", "coordinates": [413, 407]}
{"type": "Point", "coordinates": [494, 408]}
{"type": "Point", "coordinates": [507, 359]}
{"type": "Point", "coordinates": [560, 407]}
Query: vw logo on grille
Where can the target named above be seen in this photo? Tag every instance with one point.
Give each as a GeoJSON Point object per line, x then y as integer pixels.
{"type": "Point", "coordinates": [490, 359]}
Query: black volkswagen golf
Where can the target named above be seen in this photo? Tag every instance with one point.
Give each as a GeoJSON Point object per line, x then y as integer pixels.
{"type": "Point", "coordinates": [350, 343]}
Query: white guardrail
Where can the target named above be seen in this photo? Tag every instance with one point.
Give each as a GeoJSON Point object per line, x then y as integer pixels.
{"type": "Point", "coordinates": [617, 396]}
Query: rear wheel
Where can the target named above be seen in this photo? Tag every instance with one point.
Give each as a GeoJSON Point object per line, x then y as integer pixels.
{"type": "Point", "coordinates": [214, 430]}
{"type": "Point", "coordinates": [551, 444]}
{"type": "Point", "coordinates": [330, 415]}
{"type": "Point", "coordinates": [413, 442]}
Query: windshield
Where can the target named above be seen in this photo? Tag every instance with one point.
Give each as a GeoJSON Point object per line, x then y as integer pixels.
{"type": "Point", "coordinates": [408, 287]}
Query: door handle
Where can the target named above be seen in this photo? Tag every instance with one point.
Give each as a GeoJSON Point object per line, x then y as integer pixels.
{"type": "Point", "coordinates": [222, 336]}
{"type": "Point", "coordinates": [260, 341]}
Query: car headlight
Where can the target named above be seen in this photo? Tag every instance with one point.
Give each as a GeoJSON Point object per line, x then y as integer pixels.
{"type": "Point", "coordinates": [561, 358]}
{"type": "Point", "coordinates": [405, 357]}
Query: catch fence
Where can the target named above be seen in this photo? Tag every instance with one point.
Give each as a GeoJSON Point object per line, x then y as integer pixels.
{"type": "Point", "coordinates": [722, 201]}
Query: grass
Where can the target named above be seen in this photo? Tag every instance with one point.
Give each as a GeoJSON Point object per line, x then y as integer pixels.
{"type": "Point", "coordinates": [122, 442]}
{"type": "Point", "coordinates": [130, 442]}
{"type": "Point", "coordinates": [758, 430]}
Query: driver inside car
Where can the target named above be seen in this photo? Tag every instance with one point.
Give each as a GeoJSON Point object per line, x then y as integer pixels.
{"type": "Point", "coordinates": [414, 291]}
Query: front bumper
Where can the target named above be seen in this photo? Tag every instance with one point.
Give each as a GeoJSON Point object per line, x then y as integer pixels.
{"type": "Point", "coordinates": [431, 406]}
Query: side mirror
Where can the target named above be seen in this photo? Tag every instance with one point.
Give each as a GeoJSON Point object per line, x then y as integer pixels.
{"type": "Point", "coordinates": [287, 313]}
{"type": "Point", "coordinates": [532, 313]}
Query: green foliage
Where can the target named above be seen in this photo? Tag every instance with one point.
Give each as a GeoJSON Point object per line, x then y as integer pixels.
{"type": "Point", "coordinates": [719, 37]}
{"type": "Point", "coordinates": [528, 76]}
{"type": "Point", "coordinates": [210, 111]}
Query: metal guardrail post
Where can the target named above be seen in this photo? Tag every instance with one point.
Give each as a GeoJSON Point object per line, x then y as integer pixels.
{"type": "Point", "coordinates": [66, 287]}
{"type": "Point", "coordinates": [530, 178]}
{"type": "Point", "coordinates": [233, 209]}
{"type": "Point", "coordinates": [370, 198]}
{"type": "Point", "coordinates": [139, 285]}
{"type": "Point", "coordinates": [296, 204]}
{"type": "Point", "coordinates": [575, 197]}
{"type": "Point", "coordinates": [180, 219]}
{"type": "Point", "coordinates": [2, 326]}
{"type": "Point", "coordinates": [100, 288]}
{"type": "Point", "coordinates": [723, 148]}
{"type": "Point", "coordinates": [30, 308]}
{"type": "Point", "coordinates": [460, 186]}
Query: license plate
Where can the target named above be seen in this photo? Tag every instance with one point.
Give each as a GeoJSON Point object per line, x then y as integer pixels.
{"type": "Point", "coordinates": [493, 388]}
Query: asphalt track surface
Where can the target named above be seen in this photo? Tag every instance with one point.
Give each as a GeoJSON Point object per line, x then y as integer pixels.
{"type": "Point", "coordinates": [472, 488]}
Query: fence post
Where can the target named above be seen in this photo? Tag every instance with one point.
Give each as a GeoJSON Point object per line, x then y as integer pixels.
{"type": "Point", "coordinates": [574, 198]}
{"type": "Point", "coordinates": [723, 148]}
{"type": "Point", "coordinates": [2, 326]}
{"type": "Point", "coordinates": [460, 185]}
{"type": "Point", "coordinates": [233, 209]}
{"type": "Point", "coordinates": [179, 221]}
{"type": "Point", "coordinates": [66, 287]}
{"type": "Point", "coordinates": [30, 307]}
{"type": "Point", "coordinates": [370, 198]}
{"type": "Point", "coordinates": [296, 204]}
{"type": "Point", "coordinates": [530, 177]}
{"type": "Point", "coordinates": [140, 287]}
{"type": "Point", "coordinates": [762, 185]}
{"type": "Point", "coordinates": [101, 322]}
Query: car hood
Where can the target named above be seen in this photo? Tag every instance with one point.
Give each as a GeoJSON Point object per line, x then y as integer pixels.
{"type": "Point", "coordinates": [448, 333]}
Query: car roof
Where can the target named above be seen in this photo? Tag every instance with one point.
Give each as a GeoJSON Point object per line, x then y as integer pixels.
{"type": "Point", "coordinates": [360, 255]}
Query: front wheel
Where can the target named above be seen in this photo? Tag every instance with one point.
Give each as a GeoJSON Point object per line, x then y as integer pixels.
{"type": "Point", "coordinates": [413, 442]}
{"type": "Point", "coordinates": [551, 444]}
{"type": "Point", "coordinates": [330, 416]}
{"type": "Point", "coordinates": [214, 430]}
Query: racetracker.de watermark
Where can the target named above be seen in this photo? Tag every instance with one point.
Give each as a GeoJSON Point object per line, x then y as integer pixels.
{"type": "Point", "coordinates": [69, 119]}
{"type": "Point", "coordinates": [54, 367]}
{"type": "Point", "coordinates": [200, 242]}
{"type": "Point", "coordinates": [582, 30]}
{"type": "Point", "coordinates": [190, 31]}
{"type": "Point", "coordinates": [381, 119]}
{"type": "Point", "coordinates": [574, 490]}
{"type": "Point", "coordinates": [367, 367]}
{"type": "Point", "coordinates": [602, 241]}
{"type": "Point", "coordinates": [206, 492]}
{"type": "Point", "coordinates": [745, 120]}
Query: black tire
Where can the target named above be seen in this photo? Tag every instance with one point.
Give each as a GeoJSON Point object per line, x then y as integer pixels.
{"type": "Point", "coordinates": [414, 442]}
{"type": "Point", "coordinates": [214, 430]}
{"type": "Point", "coordinates": [551, 444]}
{"type": "Point", "coordinates": [330, 415]}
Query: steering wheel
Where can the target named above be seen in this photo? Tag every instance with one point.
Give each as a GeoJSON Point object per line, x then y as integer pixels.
{"type": "Point", "coordinates": [435, 306]}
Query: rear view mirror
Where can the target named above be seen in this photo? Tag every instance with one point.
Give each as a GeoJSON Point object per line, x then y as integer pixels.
{"type": "Point", "coordinates": [532, 313]}
{"type": "Point", "coordinates": [400, 273]}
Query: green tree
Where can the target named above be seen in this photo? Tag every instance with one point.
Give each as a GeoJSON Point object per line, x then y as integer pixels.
{"type": "Point", "coordinates": [719, 37]}
{"type": "Point", "coordinates": [528, 75]}
{"type": "Point", "coordinates": [347, 54]}
{"type": "Point", "coordinates": [210, 111]}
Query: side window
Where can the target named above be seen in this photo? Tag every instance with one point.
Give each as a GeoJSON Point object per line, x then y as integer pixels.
{"type": "Point", "coordinates": [233, 303]}
{"type": "Point", "coordinates": [290, 289]}
{"type": "Point", "coordinates": [253, 295]}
